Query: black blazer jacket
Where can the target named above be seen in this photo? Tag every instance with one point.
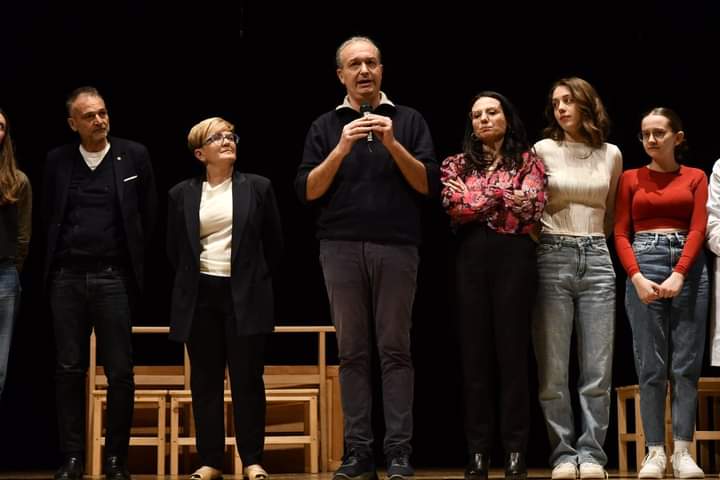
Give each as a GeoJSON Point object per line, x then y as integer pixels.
{"type": "Point", "coordinates": [255, 253]}
{"type": "Point", "coordinates": [136, 195]}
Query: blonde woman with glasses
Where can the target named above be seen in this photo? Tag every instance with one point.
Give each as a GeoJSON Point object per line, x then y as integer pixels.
{"type": "Point", "coordinates": [224, 242]}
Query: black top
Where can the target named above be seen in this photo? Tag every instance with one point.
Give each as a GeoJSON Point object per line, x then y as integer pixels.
{"type": "Point", "coordinates": [369, 198]}
{"type": "Point", "coordinates": [256, 247]}
{"type": "Point", "coordinates": [16, 223]}
{"type": "Point", "coordinates": [92, 226]}
{"type": "Point", "coordinates": [135, 198]}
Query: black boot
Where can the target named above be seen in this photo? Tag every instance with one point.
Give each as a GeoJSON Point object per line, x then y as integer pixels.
{"type": "Point", "coordinates": [71, 469]}
{"type": "Point", "coordinates": [478, 467]}
{"type": "Point", "coordinates": [116, 469]}
{"type": "Point", "coordinates": [515, 468]}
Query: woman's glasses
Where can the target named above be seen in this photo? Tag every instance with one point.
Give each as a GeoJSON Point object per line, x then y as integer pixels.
{"type": "Point", "coordinates": [658, 134]}
{"type": "Point", "coordinates": [222, 137]}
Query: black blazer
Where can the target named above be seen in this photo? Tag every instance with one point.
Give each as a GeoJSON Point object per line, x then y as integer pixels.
{"type": "Point", "coordinates": [256, 249]}
{"type": "Point", "coordinates": [136, 195]}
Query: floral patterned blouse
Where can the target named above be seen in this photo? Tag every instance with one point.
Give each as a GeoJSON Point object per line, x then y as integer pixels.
{"type": "Point", "coordinates": [489, 197]}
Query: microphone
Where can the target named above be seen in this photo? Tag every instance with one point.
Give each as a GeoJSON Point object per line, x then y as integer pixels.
{"type": "Point", "coordinates": [365, 109]}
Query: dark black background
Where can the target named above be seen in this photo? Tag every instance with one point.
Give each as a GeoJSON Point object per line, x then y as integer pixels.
{"type": "Point", "coordinates": [269, 68]}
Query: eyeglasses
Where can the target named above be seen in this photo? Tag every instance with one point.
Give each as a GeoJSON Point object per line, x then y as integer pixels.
{"type": "Point", "coordinates": [222, 137]}
{"type": "Point", "coordinates": [658, 134]}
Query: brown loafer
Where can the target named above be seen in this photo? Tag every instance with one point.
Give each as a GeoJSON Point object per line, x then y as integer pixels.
{"type": "Point", "coordinates": [206, 473]}
{"type": "Point", "coordinates": [255, 472]}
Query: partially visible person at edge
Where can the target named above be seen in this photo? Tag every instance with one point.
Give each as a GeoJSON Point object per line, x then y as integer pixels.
{"type": "Point", "coordinates": [713, 244]}
{"type": "Point", "coordinates": [367, 165]}
{"type": "Point", "coordinates": [224, 242]}
{"type": "Point", "coordinates": [576, 279]}
{"type": "Point", "coordinates": [660, 225]}
{"type": "Point", "coordinates": [495, 193]}
{"type": "Point", "coordinates": [15, 228]}
{"type": "Point", "coordinates": [100, 210]}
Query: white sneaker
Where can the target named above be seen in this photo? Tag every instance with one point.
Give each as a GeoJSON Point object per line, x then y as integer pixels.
{"type": "Point", "coordinates": [654, 465]}
{"type": "Point", "coordinates": [684, 466]}
{"type": "Point", "coordinates": [592, 470]}
{"type": "Point", "coordinates": [564, 471]}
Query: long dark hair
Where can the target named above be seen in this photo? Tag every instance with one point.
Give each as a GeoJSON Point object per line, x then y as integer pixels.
{"type": "Point", "coordinates": [675, 126]}
{"type": "Point", "coordinates": [594, 121]}
{"type": "Point", "coordinates": [9, 179]}
{"type": "Point", "coordinates": [515, 142]}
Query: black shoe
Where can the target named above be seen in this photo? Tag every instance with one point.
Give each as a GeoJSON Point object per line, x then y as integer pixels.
{"type": "Point", "coordinates": [115, 469]}
{"type": "Point", "coordinates": [72, 469]}
{"type": "Point", "coordinates": [478, 467]}
{"type": "Point", "coordinates": [357, 465]}
{"type": "Point", "coordinates": [398, 466]}
{"type": "Point", "coordinates": [515, 468]}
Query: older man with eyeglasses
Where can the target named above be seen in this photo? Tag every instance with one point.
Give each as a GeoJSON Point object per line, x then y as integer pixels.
{"type": "Point", "coordinates": [368, 165]}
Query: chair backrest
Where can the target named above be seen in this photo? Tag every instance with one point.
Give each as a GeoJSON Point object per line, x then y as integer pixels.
{"type": "Point", "coordinates": [146, 376]}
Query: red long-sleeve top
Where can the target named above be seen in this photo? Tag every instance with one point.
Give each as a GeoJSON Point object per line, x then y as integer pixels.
{"type": "Point", "coordinates": [647, 199]}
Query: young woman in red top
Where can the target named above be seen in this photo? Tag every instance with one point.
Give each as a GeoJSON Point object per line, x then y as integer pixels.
{"type": "Point", "coordinates": [660, 221]}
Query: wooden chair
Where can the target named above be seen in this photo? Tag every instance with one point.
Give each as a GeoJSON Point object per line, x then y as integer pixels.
{"type": "Point", "coordinates": [310, 376]}
{"type": "Point", "coordinates": [308, 438]}
{"type": "Point", "coordinates": [707, 429]}
{"type": "Point", "coordinates": [630, 393]}
{"type": "Point", "coordinates": [151, 389]}
{"type": "Point", "coordinates": [279, 378]}
{"type": "Point", "coordinates": [708, 422]}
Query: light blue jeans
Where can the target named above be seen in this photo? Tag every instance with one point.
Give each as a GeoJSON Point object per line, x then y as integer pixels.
{"type": "Point", "coordinates": [576, 290]}
{"type": "Point", "coordinates": [668, 336]}
{"type": "Point", "coordinates": [9, 301]}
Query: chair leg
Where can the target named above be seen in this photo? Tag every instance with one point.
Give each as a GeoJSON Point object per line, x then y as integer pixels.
{"type": "Point", "coordinates": [95, 466]}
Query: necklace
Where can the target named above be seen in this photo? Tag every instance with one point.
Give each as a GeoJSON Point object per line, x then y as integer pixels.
{"type": "Point", "coordinates": [579, 151]}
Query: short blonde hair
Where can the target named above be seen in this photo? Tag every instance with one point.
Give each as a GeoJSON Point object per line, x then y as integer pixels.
{"type": "Point", "coordinates": [201, 131]}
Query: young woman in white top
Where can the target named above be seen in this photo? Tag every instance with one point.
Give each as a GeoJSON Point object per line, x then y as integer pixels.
{"type": "Point", "coordinates": [576, 280]}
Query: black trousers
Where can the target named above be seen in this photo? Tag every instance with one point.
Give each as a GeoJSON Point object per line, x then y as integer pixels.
{"type": "Point", "coordinates": [212, 345]}
{"type": "Point", "coordinates": [496, 279]}
{"type": "Point", "coordinates": [81, 298]}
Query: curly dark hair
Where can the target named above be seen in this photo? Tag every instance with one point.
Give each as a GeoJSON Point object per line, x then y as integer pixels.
{"type": "Point", "coordinates": [515, 142]}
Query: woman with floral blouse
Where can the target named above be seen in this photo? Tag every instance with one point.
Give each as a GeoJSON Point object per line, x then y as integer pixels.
{"type": "Point", "coordinates": [494, 193]}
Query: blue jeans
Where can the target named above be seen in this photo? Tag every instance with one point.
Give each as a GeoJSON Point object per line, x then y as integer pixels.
{"type": "Point", "coordinates": [576, 290]}
{"type": "Point", "coordinates": [9, 301]}
{"type": "Point", "coordinates": [371, 288]}
{"type": "Point", "coordinates": [668, 336]}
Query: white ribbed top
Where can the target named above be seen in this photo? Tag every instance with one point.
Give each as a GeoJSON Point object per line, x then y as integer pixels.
{"type": "Point", "coordinates": [216, 212]}
{"type": "Point", "coordinates": [582, 182]}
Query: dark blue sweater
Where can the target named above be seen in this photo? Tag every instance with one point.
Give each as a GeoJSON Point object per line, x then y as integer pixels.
{"type": "Point", "coordinates": [369, 198]}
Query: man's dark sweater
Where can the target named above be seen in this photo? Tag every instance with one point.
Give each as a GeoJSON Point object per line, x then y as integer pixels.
{"type": "Point", "coordinates": [369, 198]}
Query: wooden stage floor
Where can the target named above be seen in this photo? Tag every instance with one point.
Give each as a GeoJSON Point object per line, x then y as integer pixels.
{"type": "Point", "coordinates": [422, 474]}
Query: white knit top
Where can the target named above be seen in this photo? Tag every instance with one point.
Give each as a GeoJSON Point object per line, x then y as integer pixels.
{"type": "Point", "coordinates": [582, 182]}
